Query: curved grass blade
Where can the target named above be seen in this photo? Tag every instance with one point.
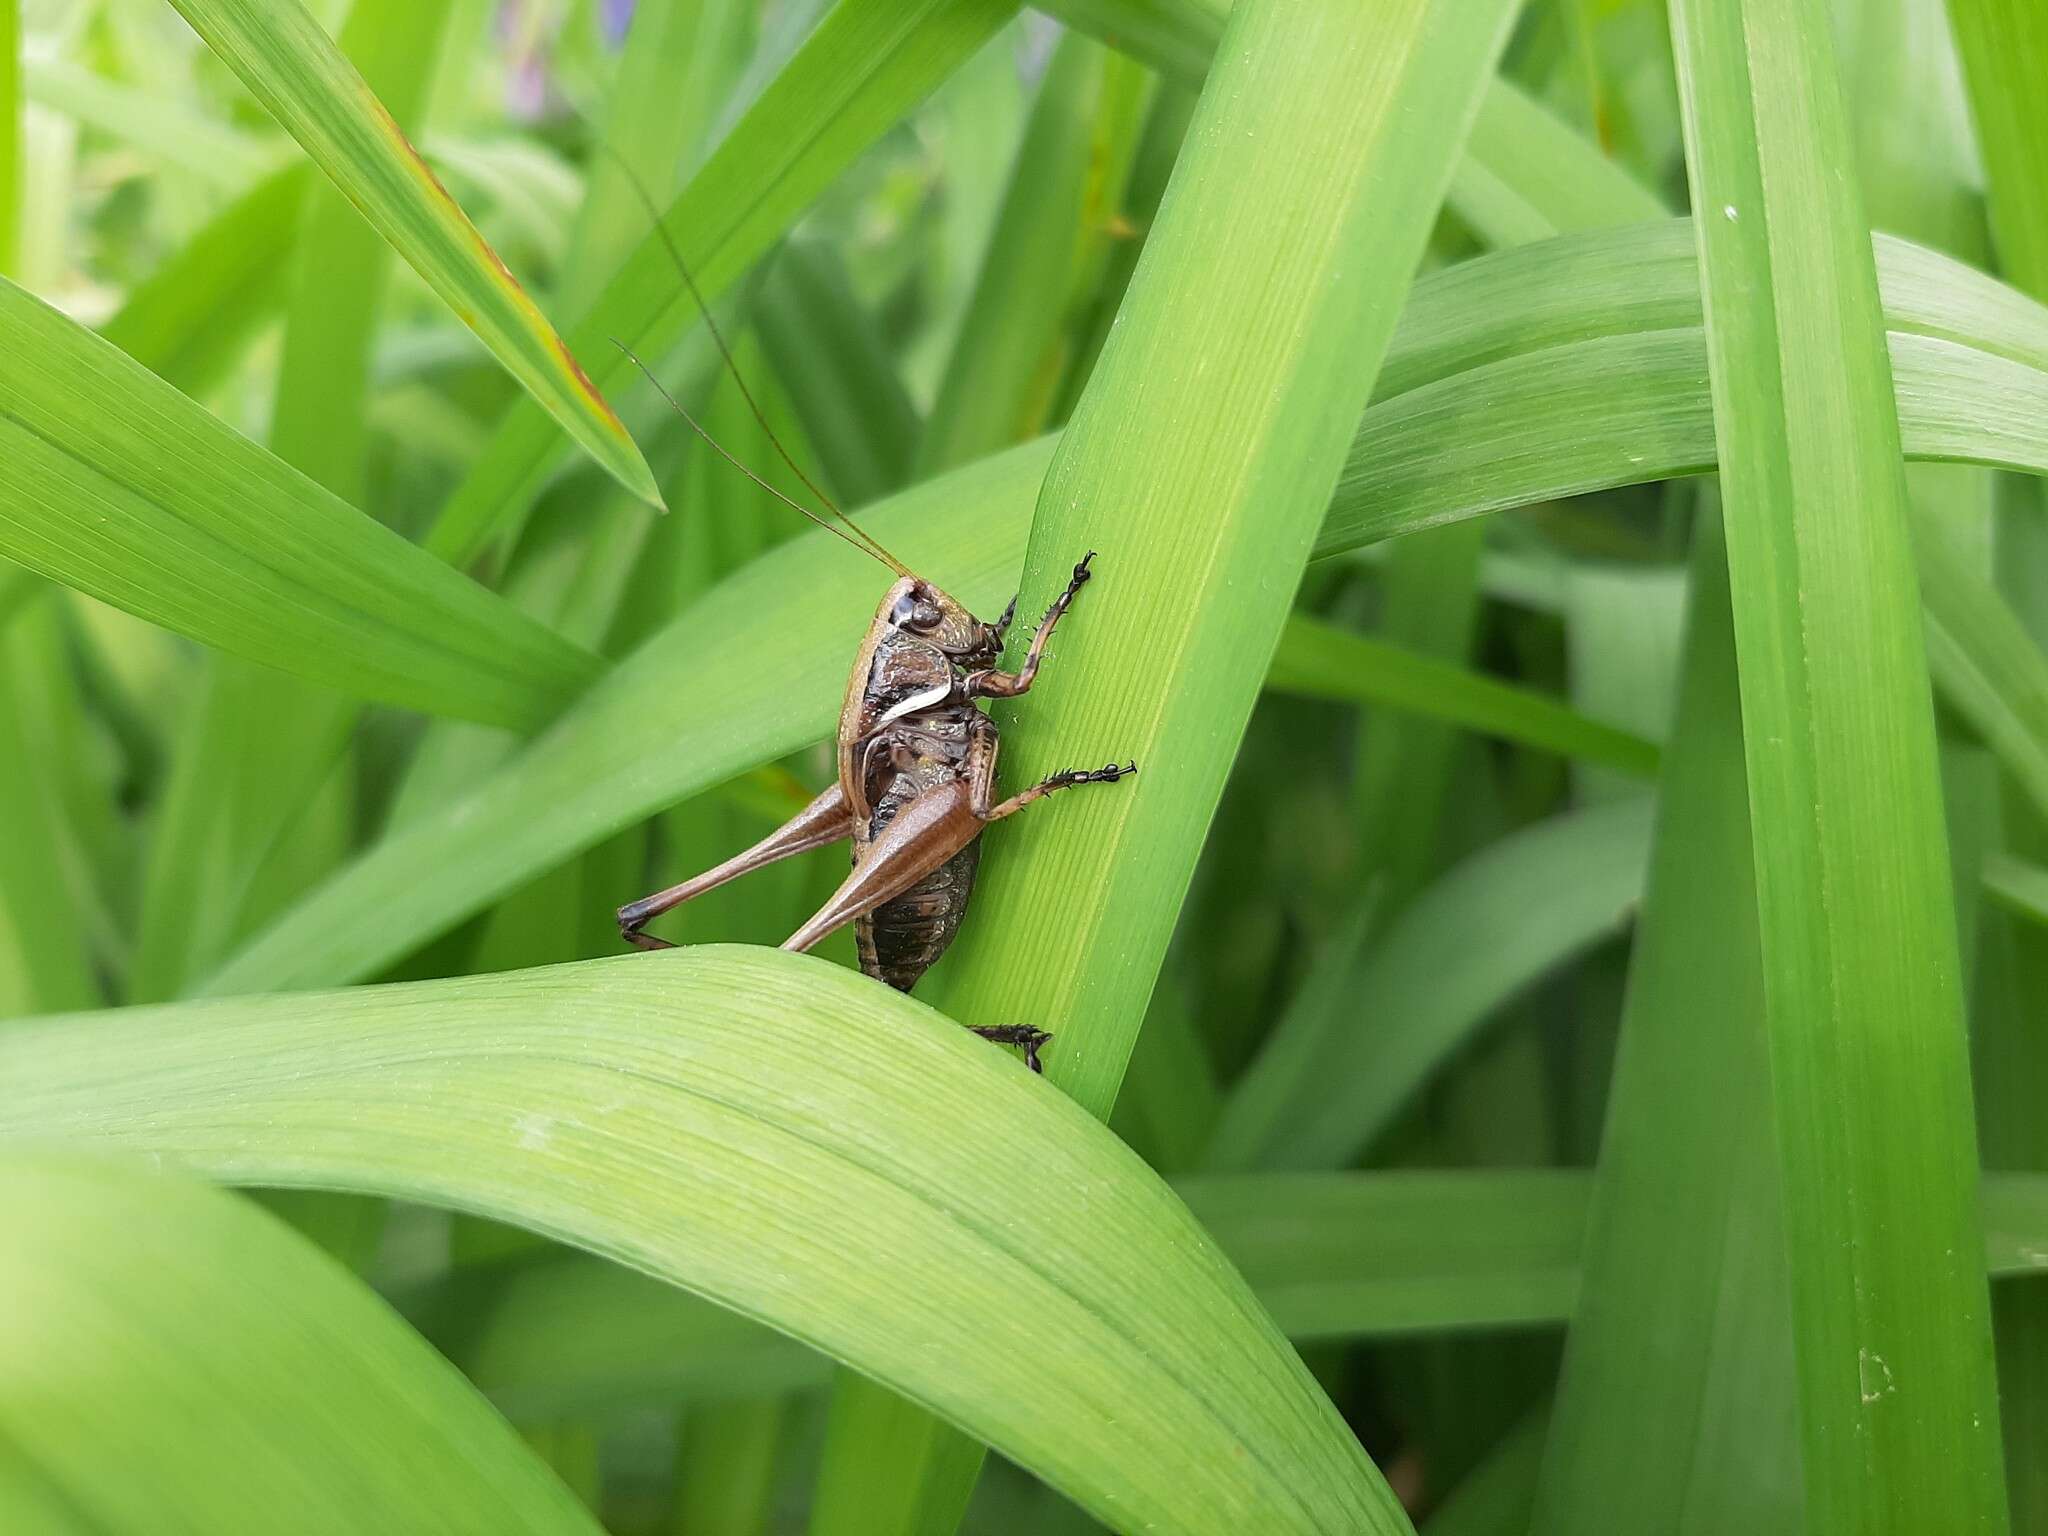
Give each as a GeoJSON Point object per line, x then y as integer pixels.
{"type": "Point", "coordinates": [1321, 661]}
{"type": "Point", "coordinates": [114, 483]}
{"type": "Point", "coordinates": [867, 64]}
{"type": "Point", "coordinates": [137, 1301]}
{"type": "Point", "coordinates": [1331, 1255]}
{"type": "Point", "coordinates": [1876, 1148]}
{"type": "Point", "coordinates": [792, 1140]}
{"type": "Point", "coordinates": [306, 83]}
{"type": "Point", "coordinates": [739, 680]}
{"type": "Point", "coordinates": [1323, 1087]}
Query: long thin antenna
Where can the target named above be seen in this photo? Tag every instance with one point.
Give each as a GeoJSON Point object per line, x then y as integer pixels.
{"type": "Point", "coordinates": [723, 452]}
{"type": "Point", "coordinates": [867, 540]}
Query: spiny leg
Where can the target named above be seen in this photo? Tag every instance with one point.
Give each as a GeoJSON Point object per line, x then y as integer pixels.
{"type": "Point", "coordinates": [1108, 773]}
{"type": "Point", "coordinates": [1007, 685]}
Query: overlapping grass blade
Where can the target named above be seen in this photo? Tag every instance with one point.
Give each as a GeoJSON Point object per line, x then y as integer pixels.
{"type": "Point", "coordinates": [1325, 1085]}
{"type": "Point", "coordinates": [1321, 661]}
{"type": "Point", "coordinates": [114, 483]}
{"type": "Point", "coordinates": [867, 64]}
{"type": "Point", "coordinates": [1876, 1152]}
{"type": "Point", "coordinates": [738, 681]}
{"type": "Point", "coordinates": [1666, 1417]}
{"type": "Point", "coordinates": [738, 1147]}
{"type": "Point", "coordinates": [176, 1359]}
{"type": "Point", "coordinates": [309, 86]}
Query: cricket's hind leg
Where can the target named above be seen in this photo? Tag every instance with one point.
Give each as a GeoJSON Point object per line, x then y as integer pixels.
{"type": "Point", "coordinates": [1022, 1035]}
{"type": "Point", "coordinates": [824, 821]}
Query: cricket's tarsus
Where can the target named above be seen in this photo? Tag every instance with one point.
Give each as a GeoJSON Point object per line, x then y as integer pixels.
{"type": "Point", "coordinates": [916, 780]}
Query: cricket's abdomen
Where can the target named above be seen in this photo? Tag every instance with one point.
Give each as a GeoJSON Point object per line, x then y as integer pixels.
{"type": "Point", "coordinates": [902, 939]}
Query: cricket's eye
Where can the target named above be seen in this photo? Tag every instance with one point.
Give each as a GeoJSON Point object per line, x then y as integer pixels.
{"type": "Point", "coordinates": [912, 612]}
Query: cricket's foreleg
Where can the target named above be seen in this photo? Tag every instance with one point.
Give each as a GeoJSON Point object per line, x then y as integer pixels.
{"type": "Point", "coordinates": [824, 821]}
{"type": "Point", "coordinates": [925, 834]}
{"type": "Point", "coordinates": [1108, 773]}
{"type": "Point", "coordinates": [1007, 685]}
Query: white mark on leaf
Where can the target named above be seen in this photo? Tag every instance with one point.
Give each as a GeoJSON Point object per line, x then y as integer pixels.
{"type": "Point", "coordinates": [1874, 1376]}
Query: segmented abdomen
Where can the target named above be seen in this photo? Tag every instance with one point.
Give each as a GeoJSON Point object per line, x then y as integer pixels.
{"type": "Point", "coordinates": [902, 939]}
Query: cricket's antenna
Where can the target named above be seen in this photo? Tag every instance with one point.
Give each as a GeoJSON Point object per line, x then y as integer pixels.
{"type": "Point", "coordinates": [869, 548]}
{"type": "Point", "coordinates": [861, 539]}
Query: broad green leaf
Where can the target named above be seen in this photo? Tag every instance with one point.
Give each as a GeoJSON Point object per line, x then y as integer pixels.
{"type": "Point", "coordinates": [316, 95]}
{"type": "Point", "coordinates": [114, 483]}
{"type": "Point", "coordinates": [1324, 1086]}
{"type": "Point", "coordinates": [2003, 44]}
{"type": "Point", "coordinates": [791, 1140]}
{"type": "Point", "coordinates": [1876, 1149]}
{"type": "Point", "coordinates": [191, 319]}
{"type": "Point", "coordinates": [173, 1359]}
{"type": "Point", "coordinates": [1380, 1254]}
{"type": "Point", "coordinates": [867, 64]}
{"type": "Point", "coordinates": [1666, 1418]}
{"type": "Point", "coordinates": [739, 680]}
{"type": "Point", "coordinates": [1321, 661]}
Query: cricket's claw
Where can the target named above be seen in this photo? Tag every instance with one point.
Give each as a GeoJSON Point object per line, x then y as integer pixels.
{"type": "Point", "coordinates": [1081, 571]}
{"type": "Point", "coordinates": [1021, 1035]}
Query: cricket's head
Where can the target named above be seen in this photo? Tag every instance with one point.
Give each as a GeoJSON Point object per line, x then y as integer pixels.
{"type": "Point", "coordinates": [918, 608]}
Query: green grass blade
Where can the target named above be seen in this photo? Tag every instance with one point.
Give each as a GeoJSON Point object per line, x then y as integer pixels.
{"type": "Point", "coordinates": [1323, 1086]}
{"type": "Point", "coordinates": [829, 357]}
{"type": "Point", "coordinates": [320, 426]}
{"type": "Point", "coordinates": [867, 64]}
{"type": "Point", "coordinates": [2021, 888]}
{"type": "Point", "coordinates": [678, 58]}
{"type": "Point", "coordinates": [45, 963]}
{"type": "Point", "coordinates": [1877, 1159]}
{"type": "Point", "coordinates": [2003, 44]}
{"type": "Point", "coordinates": [843, 1196]}
{"type": "Point", "coordinates": [1666, 1417]}
{"type": "Point", "coordinates": [191, 320]}
{"type": "Point", "coordinates": [114, 483]}
{"type": "Point", "coordinates": [1384, 1254]}
{"type": "Point", "coordinates": [1527, 175]}
{"type": "Point", "coordinates": [1320, 661]}
{"type": "Point", "coordinates": [201, 147]}
{"type": "Point", "coordinates": [306, 83]}
{"type": "Point", "coordinates": [1065, 183]}
{"type": "Point", "coordinates": [175, 1359]}
{"type": "Point", "coordinates": [1187, 478]}
{"type": "Point", "coordinates": [13, 166]}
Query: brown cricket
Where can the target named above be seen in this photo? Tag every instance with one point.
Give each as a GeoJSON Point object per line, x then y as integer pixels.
{"type": "Point", "coordinates": [916, 780]}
